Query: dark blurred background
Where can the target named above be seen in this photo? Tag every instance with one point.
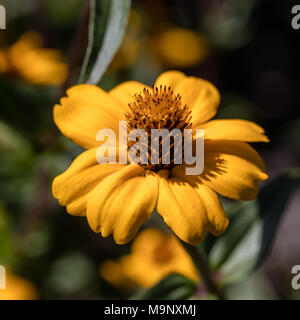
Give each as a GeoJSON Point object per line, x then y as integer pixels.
{"type": "Point", "coordinates": [248, 49]}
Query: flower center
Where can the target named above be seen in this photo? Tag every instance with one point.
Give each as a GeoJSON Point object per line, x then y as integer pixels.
{"type": "Point", "coordinates": [162, 253]}
{"type": "Point", "coordinates": [158, 108]}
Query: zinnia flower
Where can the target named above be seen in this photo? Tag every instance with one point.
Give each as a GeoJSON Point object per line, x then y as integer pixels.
{"type": "Point", "coordinates": [118, 198]}
{"type": "Point", "coordinates": [18, 288]}
{"type": "Point", "coordinates": [154, 255]}
{"type": "Point", "coordinates": [34, 64]}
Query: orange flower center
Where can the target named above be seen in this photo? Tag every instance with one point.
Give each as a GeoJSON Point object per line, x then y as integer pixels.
{"type": "Point", "coordinates": [158, 108]}
{"type": "Point", "coordinates": [162, 254]}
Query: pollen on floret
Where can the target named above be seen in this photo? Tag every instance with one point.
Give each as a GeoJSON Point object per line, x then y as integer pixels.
{"type": "Point", "coordinates": [158, 108]}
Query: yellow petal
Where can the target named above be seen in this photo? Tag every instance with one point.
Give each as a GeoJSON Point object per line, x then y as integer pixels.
{"type": "Point", "coordinates": [18, 288]}
{"type": "Point", "coordinates": [170, 46]}
{"type": "Point", "coordinates": [124, 92]}
{"type": "Point", "coordinates": [232, 169]}
{"type": "Point", "coordinates": [200, 95]}
{"type": "Point", "coordinates": [112, 272]}
{"type": "Point", "coordinates": [170, 79]}
{"type": "Point", "coordinates": [30, 39]}
{"type": "Point", "coordinates": [154, 255]}
{"type": "Point", "coordinates": [182, 209]}
{"type": "Point", "coordinates": [85, 111]}
{"type": "Point", "coordinates": [218, 221]}
{"type": "Point", "coordinates": [72, 187]}
{"type": "Point", "coordinates": [141, 271]}
{"type": "Point", "coordinates": [49, 67]}
{"type": "Point", "coordinates": [122, 202]}
{"type": "Point", "coordinates": [216, 215]}
{"type": "Point", "coordinates": [235, 129]}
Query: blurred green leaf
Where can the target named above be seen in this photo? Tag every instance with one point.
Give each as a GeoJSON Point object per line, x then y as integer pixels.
{"type": "Point", "coordinates": [10, 140]}
{"type": "Point", "coordinates": [71, 274]}
{"type": "Point", "coordinates": [13, 8]}
{"type": "Point", "coordinates": [16, 165]}
{"type": "Point", "coordinates": [252, 227]}
{"type": "Point", "coordinates": [36, 242]}
{"type": "Point", "coordinates": [228, 25]}
{"type": "Point", "coordinates": [253, 287]}
{"type": "Point", "coordinates": [7, 250]}
{"type": "Point", "coordinates": [108, 21]}
{"type": "Point", "coordinates": [63, 13]}
{"type": "Point", "coordinates": [26, 108]}
{"type": "Point", "coordinates": [173, 287]}
{"type": "Point", "coordinates": [236, 106]}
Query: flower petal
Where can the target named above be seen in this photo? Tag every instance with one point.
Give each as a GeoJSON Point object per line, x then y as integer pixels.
{"type": "Point", "coordinates": [218, 221]}
{"type": "Point", "coordinates": [216, 215]}
{"type": "Point", "coordinates": [200, 95]}
{"type": "Point", "coordinates": [112, 272]}
{"type": "Point", "coordinates": [122, 202]}
{"type": "Point", "coordinates": [49, 67]}
{"type": "Point", "coordinates": [85, 111]}
{"type": "Point", "coordinates": [182, 209]}
{"type": "Point", "coordinates": [170, 79]}
{"type": "Point", "coordinates": [232, 169]}
{"type": "Point", "coordinates": [72, 187]}
{"type": "Point", "coordinates": [124, 92]}
{"type": "Point", "coordinates": [235, 129]}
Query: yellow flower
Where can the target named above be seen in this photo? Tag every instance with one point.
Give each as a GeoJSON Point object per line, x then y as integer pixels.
{"type": "Point", "coordinates": [118, 198]}
{"type": "Point", "coordinates": [154, 255]}
{"type": "Point", "coordinates": [18, 288]}
{"type": "Point", "coordinates": [179, 48]}
{"type": "Point", "coordinates": [33, 63]}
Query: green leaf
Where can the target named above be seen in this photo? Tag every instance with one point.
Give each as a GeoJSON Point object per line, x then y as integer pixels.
{"type": "Point", "coordinates": [7, 250]}
{"type": "Point", "coordinates": [12, 141]}
{"type": "Point", "coordinates": [252, 227]}
{"type": "Point", "coordinates": [108, 21]}
{"type": "Point", "coordinates": [71, 274]}
{"type": "Point", "coordinates": [173, 287]}
{"type": "Point", "coordinates": [16, 165]}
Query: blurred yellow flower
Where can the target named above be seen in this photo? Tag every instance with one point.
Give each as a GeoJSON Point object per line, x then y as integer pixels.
{"type": "Point", "coordinates": [179, 48]}
{"type": "Point", "coordinates": [4, 65]}
{"type": "Point", "coordinates": [18, 288]}
{"type": "Point", "coordinates": [118, 198]}
{"type": "Point", "coordinates": [34, 64]}
{"type": "Point", "coordinates": [154, 255]}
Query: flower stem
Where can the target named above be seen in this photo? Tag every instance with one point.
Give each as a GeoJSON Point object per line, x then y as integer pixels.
{"type": "Point", "coordinates": [202, 266]}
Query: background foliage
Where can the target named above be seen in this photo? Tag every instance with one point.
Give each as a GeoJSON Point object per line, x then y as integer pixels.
{"type": "Point", "coordinates": [248, 50]}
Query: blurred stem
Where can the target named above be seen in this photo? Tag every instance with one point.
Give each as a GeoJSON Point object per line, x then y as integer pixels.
{"type": "Point", "coordinates": [202, 266]}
